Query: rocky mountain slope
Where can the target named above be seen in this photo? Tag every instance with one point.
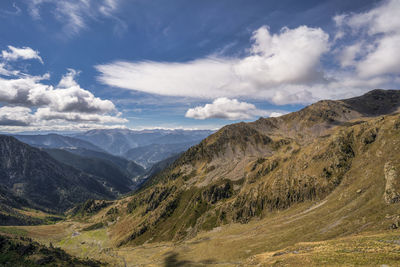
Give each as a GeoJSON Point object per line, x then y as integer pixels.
{"type": "Point", "coordinates": [45, 183]}
{"type": "Point", "coordinates": [106, 170]}
{"type": "Point", "coordinates": [247, 171]}
{"type": "Point", "coordinates": [129, 167]}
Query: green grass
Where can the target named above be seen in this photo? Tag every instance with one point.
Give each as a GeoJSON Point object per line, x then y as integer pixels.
{"type": "Point", "coordinates": [13, 230]}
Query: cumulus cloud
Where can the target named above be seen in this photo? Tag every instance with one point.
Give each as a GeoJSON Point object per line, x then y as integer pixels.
{"type": "Point", "coordinates": [68, 96]}
{"type": "Point", "coordinates": [30, 103]}
{"type": "Point", "coordinates": [231, 109]}
{"type": "Point", "coordinates": [284, 67]}
{"type": "Point", "coordinates": [376, 50]}
{"type": "Point", "coordinates": [24, 116]}
{"type": "Point", "coordinates": [49, 114]}
{"type": "Point", "coordinates": [15, 116]}
{"type": "Point", "coordinates": [14, 53]}
{"type": "Point", "coordinates": [291, 56]}
{"type": "Point", "coordinates": [75, 14]}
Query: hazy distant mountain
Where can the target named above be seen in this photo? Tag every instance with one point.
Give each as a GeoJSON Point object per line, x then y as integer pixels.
{"type": "Point", "coordinates": [107, 170]}
{"type": "Point", "coordinates": [35, 176]}
{"type": "Point", "coordinates": [56, 141]}
{"type": "Point", "coordinates": [130, 168]}
{"type": "Point", "coordinates": [151, 154]}
{"type": "Point", "coordinates": [155, 169]}
{"type": "Point", "coordinates": [119, 141]}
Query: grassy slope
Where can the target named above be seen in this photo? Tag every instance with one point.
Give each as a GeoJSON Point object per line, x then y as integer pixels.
{"type": "Point", "coordinates": [352, 225]}
{"type": "Point", "coordinates": [297, 197]}
{"type": "Point", "coordinates": [24, 251]}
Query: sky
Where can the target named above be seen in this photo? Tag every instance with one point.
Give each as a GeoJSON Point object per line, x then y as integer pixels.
{"type": "Point", "coordinates": [200, 64]}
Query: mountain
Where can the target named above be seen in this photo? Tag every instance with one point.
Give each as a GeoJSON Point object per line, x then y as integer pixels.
{"type": "Point", "coordinates": [341, 154]}
{"type": "Point", "coordinates": [56, 141]}
{"type": "Point", "coordinates": [44, 182]}
{"type": "Point", "coordinates": [119, 141]}
{"type": "Point", "coordinates": [151, 154]}
{"type": "Point", "coordinates": [316, 187]}
{"type": "Point", "coordinates": [155, 169]}
{"type": "Point", "coordinates": [9, 206]}
{"type": "Point", "coordinates": [110, 173]}
{"type": "Point", "coordinates": [128, 167]}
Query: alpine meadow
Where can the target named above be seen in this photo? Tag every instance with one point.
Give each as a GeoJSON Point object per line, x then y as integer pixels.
{"type": "Point", "coordinates": [199, 133]}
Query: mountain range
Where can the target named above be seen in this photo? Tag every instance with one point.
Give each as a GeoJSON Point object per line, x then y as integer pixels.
{"type": "Point", "coordinates": [45, 183]}
{"type": "Point", "coordinates": [119, 141]}
{"type": "Point", "coordinates": [145, 147]}
{"type": "Point", "coordinates": [246, 171]}
{"type": "Point", "coordinates": [320, 186]}
{"type": "Point", "coordinates": [56, 141]}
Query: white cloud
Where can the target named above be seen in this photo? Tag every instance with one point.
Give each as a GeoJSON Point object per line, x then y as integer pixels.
{"type": "Point", "coordinates": [15, 116]}
{"type": "Point", "coordinates": [30, 103]}
{"type": "Point", "coordinates": [68, 96]}
{"type": "Point", "coordinates": [282, 68]}
{"type": "Point", "coordinates": [5, 71]}
{"type": "Point", "coordinates": [52, 127]}
{"type": "Point", "coordinates": [290, 57]}
{"type": "Point", "coordinates": [49, 114]}
{"type": "Point", "coordinates": [380, 29]}
{"type": "Point", "coordinates": [25, 53]}
{"type": "Point", "coordinates": [231, 109]}
{"type": "Point", "coordinates": [75, 14]}
{"type": "Point", "coordinates": [15, 12]}
{"type": "Point", "coordinates": [348, 54]}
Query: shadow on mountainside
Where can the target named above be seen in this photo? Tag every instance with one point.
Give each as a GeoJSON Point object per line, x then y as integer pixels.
{"type": "Point", "coordinates": [171, 260]}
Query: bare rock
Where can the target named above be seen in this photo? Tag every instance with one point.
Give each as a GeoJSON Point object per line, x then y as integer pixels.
{"type": "Point", "coordinates": [392, 188]}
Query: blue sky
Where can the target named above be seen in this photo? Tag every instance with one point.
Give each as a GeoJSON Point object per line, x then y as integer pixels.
{"type": "Point", "coordinates": [84, 64]}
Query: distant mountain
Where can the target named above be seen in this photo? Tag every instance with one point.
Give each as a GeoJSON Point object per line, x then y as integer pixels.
{"type": "Point", "coordinates": [44, 182]}
{"type": "Point", "coordinates": [155, 169]}
{"type": "Point", "coordinates": [119, 141]}
{"type": "Point", "coordinates": [56, 141]}
{"type": "Point", "coordinates": [151, 154]}
{"type": "Point", "coordinates": [128, 167]}
{"type": "Point", "coordinates": [110, 173]}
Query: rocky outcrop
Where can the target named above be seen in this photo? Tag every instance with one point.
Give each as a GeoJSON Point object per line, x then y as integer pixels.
{"type": "Point", "coordinates": [392, 187]}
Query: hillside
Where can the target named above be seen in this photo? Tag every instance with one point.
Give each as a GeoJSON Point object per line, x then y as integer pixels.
{"type": "Point", "coordinates": [26, 252]}
{"type": "Point", "coordinates": [110, 173]}
{"type": "Point", "coordinates": [246, 171]}
{"type": "Point", "coordinates": [44, 182]}
{"type": "Point", "coordinates": [320, 186]}
{"type": "Point", "coordinates": [130, 168]}
{"type": "Point", "coordinates": [154, 170]}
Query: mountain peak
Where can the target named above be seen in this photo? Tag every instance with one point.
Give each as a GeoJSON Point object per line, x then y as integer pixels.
{"type": "Point", "coordinates": [376, 102]}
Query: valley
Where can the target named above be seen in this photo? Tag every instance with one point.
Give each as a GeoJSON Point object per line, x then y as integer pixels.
{"type": "Point", "coordinates": [177, 133]}
{"type": "Point", "coordinates": [316, 187]}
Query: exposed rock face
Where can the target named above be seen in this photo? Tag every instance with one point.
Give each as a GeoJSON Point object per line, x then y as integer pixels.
{"type": "Point", "coordinates": [392, 187]}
